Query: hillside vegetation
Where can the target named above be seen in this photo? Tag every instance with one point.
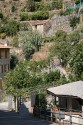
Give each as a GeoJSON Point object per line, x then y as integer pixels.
{"type": "Point", "coordinates": [38, 67]}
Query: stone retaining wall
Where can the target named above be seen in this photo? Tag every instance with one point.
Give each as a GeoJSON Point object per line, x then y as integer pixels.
{"type": "Point", "coordinates": [58, 23]}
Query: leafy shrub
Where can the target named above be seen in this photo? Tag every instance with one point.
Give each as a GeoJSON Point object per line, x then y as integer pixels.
{"type": "Point", "coordinates": [2, 35]}
{"type": "Point", "coordinates": [13, 61]}
{"type": "Point", "coordinates": [30, 5]}
{"type": "Point", "coordinates": [77, 1]}
{"type": "Point", "coordinates": [39, 6]}
{"type": "Point", "coordinates": [12, 27]}
{"type": "Point", "coordinates": [24, 16]}
{"type": "Point", "coordinates": [13, 8]}
{"type": "Point", "coordinates": [60, 35]}
{"type": "Point", "coordinates": [57, 4]}
{"type": "Point", "coordinates": [52, 76]}
{"type": "Point", "coordinates": [15, 42]}
{"type": "Point", "coordinates": [28, 50]}
{"type": "Point", "coordinates": [42, 6]}
{"type": "Point", "coordinates": [2, 28]}
{"type": "Point", "coordinates": [40, 101]}
{"type": "Point", "coordinates": [74, 21]}
{"type": "Point", "coordinates": [40, 15]}
{"type": "Point", "coordinates": [67, 12]}
{"type": "Point", "coordinates": [1, 15]}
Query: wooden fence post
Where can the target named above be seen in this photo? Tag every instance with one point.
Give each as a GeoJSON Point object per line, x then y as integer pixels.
{"type": "Point", "coordinates": [59, 117]}
{"type": "Point", "coordinates": [70, 118]}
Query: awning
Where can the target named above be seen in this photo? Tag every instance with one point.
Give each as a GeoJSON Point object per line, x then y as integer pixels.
{"type": "Point", "coordinates": [70, 89]}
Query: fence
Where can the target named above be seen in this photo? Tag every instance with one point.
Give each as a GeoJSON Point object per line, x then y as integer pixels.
{"type": "Point", "coordinates": [61, 117]}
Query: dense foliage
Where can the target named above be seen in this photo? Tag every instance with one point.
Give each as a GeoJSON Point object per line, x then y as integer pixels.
{"type": "Point", "coordinates": [13, 61]}
{"type": "Point", "coordinates": [39, 15]}
{"type": "Point", "coordinates": [76, 62]}
{"type": "Point", "coordinates": [57, 4]}
{"type": "Point", "coordinates": [31, 42]}
{"type": "Point", "coordinates": [28, 75]}
{"type": "Point", "coordinates": [69, 51]}
{"type": "Point", "coordinates": [1, 15]}
{"type": "Point", "coordinates": [40, 101]}
{"type": "Point", "coordinates": [10, 27]}
{"type": "Point", "coordinates": [74, 21]}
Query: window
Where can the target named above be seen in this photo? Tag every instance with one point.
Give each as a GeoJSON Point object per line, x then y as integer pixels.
{"type": "Point", "coordinates": [63, 103]}
{"type": "Point", "coordinates": [77, 104]}
{"type": "Point", "coordinates": [1, 68]}
{"type": "Point", "coordinates": [36, 27]}
{"type": "Point", "coordinates": [2, 53]}
{"type": "Point", "coordinates": [6, 53]}
{"type": "Point", "coordinates": [6, 68]}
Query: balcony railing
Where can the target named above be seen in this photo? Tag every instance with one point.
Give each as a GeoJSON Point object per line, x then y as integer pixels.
{"type": "Point", "coordinates": [61, 117]}
{"type": "Point", "coordinates": [4, 61]}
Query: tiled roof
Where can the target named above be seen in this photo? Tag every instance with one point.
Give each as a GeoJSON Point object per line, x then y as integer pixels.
{"type": "Point", "coordinates": [38, 22]}
{"type": "Point", "coordinates": [71, 89]}
{"type": "Point", "coordinates": [5, 46]}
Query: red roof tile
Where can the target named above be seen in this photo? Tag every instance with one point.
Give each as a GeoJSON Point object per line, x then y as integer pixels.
{"type": "Point", "coordinates": [5, 47]}
{"type": "Point", "coordinates": [38, 22]}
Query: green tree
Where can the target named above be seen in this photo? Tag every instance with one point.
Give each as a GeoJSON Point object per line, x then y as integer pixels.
{"type": "Point", "coordinates": [25, 16]}
{"type": "Point", "coordinates": [36, 39]}
{"type": "Point", "coordinates": [62, 50]}
{"type": "Point", "coordinates": [76, 62]}
{"type": "Point", "coordinates": [1, 15]}
{"type": "Point", "coordinates": [77, 1]}
{"type": "Point", "coordinates": [13, 61]}
{"type": "Point", "coordinates": [12, 27]}
{"type": "Point", "coordinates": [27, 46]}
{"type": "Point", "coordinates": [28, 50]}
{"type": "Point", "coordinates": [73, 38]}
{"type": "Point", "coordinates": [17, 81]}
{"type": "Point", "coordinates": [74, 21]}
{"type": "Point", "coordinates": [60, 36]}
{"type": "Point", "coordinates": [63, 80]}
{"type": "Point", "coordinates": [41, 101]}
{"type": "Point", "coordinates": [57, 4]}
{"type": "Point", "coordinates": [31, 5]}
{"type": "Point", "coordinates": [40, 15]}
{"type": "Point", "coordinates": [51, 77]}
{"type": "Point", "coordinates": [31, 42]}
{"type": "Point", "coordinates": [13, 9]}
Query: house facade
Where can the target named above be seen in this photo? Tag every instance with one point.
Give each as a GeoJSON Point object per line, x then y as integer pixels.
{"type": "Point", "coordinates": [69, 100]}
{"type": "Point", "coordinates": [4, 61]}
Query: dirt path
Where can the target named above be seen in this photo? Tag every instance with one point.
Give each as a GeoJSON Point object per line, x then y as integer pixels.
{"type": "Point", "coordinates": [43, 53]}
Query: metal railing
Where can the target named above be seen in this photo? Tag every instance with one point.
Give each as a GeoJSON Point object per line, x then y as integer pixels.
{"type": "Point", "coordinates": [62, 117]}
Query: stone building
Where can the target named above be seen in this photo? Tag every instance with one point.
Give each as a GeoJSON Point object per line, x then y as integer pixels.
{"type": "Point", "coordinates": [38, 25]}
